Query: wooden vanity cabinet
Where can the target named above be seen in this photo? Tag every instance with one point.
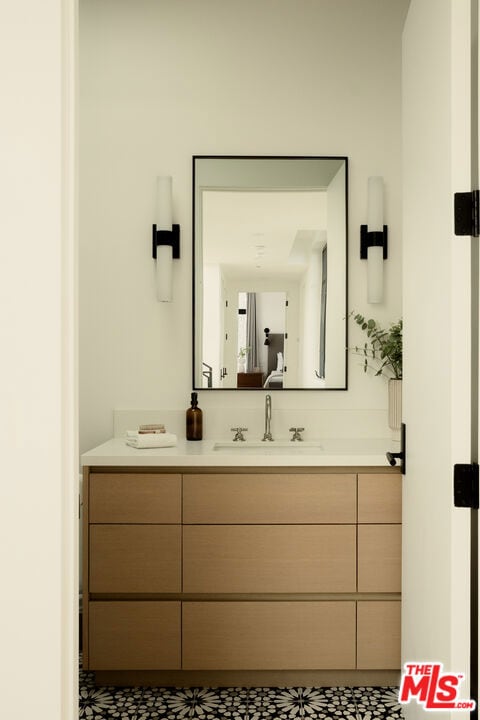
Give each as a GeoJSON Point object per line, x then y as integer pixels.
{"type": "Point", "coordinates": [269, 498]}
{"type": "Point", "coordinates": [269, 533]}
{"type": "Point", "coordinates": [132, 550]}
{"type": "Point", "coordinates": [268, 635]}
{"type": "Point", "coordinates": [269, 558]}
{"type": "Point", "coordinates": [247, 571]}
{"type": "Point", "coordinates": [379, 570]}
{"type": "Point", "coordinates": [135, 558]}
{"type": "Point", "coordinates": [139, 635]}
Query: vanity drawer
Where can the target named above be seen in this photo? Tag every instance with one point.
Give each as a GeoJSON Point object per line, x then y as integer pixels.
{"type": "Point", "coordinates": [269, 558]}
{"type": "Point", "coordinates": [135, 498]}
{"type": "Point", "coordinates": [378, 635]}
{"type": "Point", "coordinates": [135, 558]}
{"type": "Point", "coordinates": [139, 635]}
{"type": "Point", "coordinates": [379, 558]}
{"type": "Point", "coordinates": [269, 498]}
{"type": "Point", "coordinates": [379, 498]}
{"type": "Point", "coordinates": [268, 635]}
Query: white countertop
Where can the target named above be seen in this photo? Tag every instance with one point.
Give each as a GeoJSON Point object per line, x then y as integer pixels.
{"type": "Point", "coordinates": [329, 452]}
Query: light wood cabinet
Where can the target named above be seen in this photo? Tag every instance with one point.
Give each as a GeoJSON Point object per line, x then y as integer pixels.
{"type": "Point", "coordinates": [269, 499]}
{"type": "Point", "coordinates": [269, 558]}
{"type": "Point", "coordinates": [378, 634]}
{"type": "Point", "coordinates": [135, 498]}
{"type": "Point", "coordinates": [135, 558]}
{"type": "Point", "coordinates": [268, 635]}
{"type": "Point", "coordinates": [379, 558]}
{"type": "Point", "coordinates": [379, 498]}
{"type": "Point", "coordinates": [241, 572]}
{"type": "Point", "coordinates": [134, 635]}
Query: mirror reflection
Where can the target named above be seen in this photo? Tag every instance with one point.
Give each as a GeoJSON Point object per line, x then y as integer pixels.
{"type": "Point", "coordinates": [270, 238]}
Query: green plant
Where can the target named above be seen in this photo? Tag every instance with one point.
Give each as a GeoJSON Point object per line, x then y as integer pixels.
{"type": "Point", "coordinates": [384, 347]}
{"type": "Point", "coordinates": [243, 352]}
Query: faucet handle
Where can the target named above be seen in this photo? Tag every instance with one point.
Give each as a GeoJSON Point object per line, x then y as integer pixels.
{"type": "Point", "coordinates": [296, 433]}
{"type": "Point", "coordinates": [239, 433]}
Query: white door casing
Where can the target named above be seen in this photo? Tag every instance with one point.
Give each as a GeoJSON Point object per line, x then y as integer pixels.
{"type": "Point", "coordinates": [436, 272]}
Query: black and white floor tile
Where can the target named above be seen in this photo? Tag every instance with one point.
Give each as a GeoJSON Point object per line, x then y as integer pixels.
{"type": "Point", "coordinates": [338, 703]}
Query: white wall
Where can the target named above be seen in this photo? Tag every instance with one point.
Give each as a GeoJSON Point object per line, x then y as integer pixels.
{"type": "Point", "coordinates": [38, 503]}
{"type": "Point", "coordinates": [161, 81]}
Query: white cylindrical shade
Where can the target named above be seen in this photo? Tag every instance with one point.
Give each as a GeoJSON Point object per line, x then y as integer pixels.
{"type": "Point", "coordinates": [375, 274]}
{"type": "Point", "coordinates": [164, 202]}
{"type": "Point", "coordinates": [164, 273]}
{"type": "Point", "coordinates": [375, 204]}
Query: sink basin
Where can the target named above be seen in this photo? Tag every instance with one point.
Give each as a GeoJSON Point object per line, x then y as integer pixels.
{"type": "Point", "coordinates": [329, 446]}
{"type": "Point", "coordinates": [277, 447]}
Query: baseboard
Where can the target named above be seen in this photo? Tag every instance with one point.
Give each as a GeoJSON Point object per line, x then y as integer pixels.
{"type": "Point", "coordinates": [247, 678]}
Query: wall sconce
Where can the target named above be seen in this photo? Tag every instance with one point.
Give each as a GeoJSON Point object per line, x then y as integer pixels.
{"type": "Point", "coordinates": [267, 339]}
{"type": "Point", "coordinates": [373, 240]}
{"type": "Point", "coordinates": [165, 240]}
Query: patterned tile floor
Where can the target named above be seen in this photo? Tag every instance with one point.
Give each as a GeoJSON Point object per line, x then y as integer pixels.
{"type": "Point", "coordinates": [339, 703]}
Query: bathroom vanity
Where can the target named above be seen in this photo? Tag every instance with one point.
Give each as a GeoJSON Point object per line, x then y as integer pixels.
{"type": "Point", "coordinates": [207, 567]}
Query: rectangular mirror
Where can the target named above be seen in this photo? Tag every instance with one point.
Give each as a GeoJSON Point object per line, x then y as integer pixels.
{"type": "Point", "coordinates": [270, 273]}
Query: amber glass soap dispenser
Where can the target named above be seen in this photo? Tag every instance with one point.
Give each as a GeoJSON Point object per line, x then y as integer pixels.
{"type": "Point", "coordinates": [194, 420]}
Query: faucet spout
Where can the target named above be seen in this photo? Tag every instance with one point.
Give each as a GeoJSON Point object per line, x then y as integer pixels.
{"type": "Point", "coordinates": [267, 435]}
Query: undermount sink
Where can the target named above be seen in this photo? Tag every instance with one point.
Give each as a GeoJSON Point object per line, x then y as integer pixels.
{"type": "Point", "coordinates": [258, 447]}
{"type": "Point", "coordinates": [329, 446]}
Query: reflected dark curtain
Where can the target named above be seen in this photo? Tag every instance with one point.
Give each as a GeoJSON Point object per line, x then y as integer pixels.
{"type": "Point", "coordinates": [252, 357]}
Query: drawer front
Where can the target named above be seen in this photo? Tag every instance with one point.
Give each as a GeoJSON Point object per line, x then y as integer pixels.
{"type": "Point", "coordinates": [379, 558]}
{"type": "Point", "coordinates": [379, 499]}
{"type": "Point", "coordinates": [134, 635]}
{"type": "Point", "coordinates": [378, 635]}
{"type": "Point", "coordinates": [269, 499]}
{"type": "Point", "coordinates": [135, 558]}
{"type": "Point", "coordinates": [263, 558]}
{"type": "Point", "coordinates": [268, 635]}
{"type": "Point", "coordinates": [135, 498]}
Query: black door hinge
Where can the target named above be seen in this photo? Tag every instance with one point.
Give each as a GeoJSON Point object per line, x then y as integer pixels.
{"type": "Point", "coordinates": [465, 485]}
{"type": "Point", "coordinates": [466, 213]}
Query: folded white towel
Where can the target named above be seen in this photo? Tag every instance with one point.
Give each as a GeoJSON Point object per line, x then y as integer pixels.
{"type": "Point", "coordinates": [150, 440]}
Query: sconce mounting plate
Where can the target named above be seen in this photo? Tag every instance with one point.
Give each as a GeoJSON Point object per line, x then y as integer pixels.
{"type": "Point", "coordinates": [370, 239]}
{"type": "Point", "coordinates": [166, 237]}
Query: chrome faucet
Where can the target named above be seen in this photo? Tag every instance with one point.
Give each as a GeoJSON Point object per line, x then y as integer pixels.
{"type": "Point", "coordinates": [296, 433]}
{"type": "Point", "coordinates": [239, 433]}
{"type": "Point", "coordinates": [267, 435]}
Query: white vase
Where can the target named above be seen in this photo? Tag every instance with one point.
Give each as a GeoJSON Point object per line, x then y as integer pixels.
{"type": "Point", "coordinates": [242, 364]}
{"type": "Point", "coordinates": [395, 405]}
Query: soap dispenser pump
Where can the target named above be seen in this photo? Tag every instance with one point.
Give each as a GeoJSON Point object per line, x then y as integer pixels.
{"type": "Point", "coordinates": [194, 420]}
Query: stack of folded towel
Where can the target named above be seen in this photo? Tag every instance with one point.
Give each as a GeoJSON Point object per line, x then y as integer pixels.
{"type": "Point", "coordinates": [152, 428]}
{"type": "Point", "coordinates": [150, 436]}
